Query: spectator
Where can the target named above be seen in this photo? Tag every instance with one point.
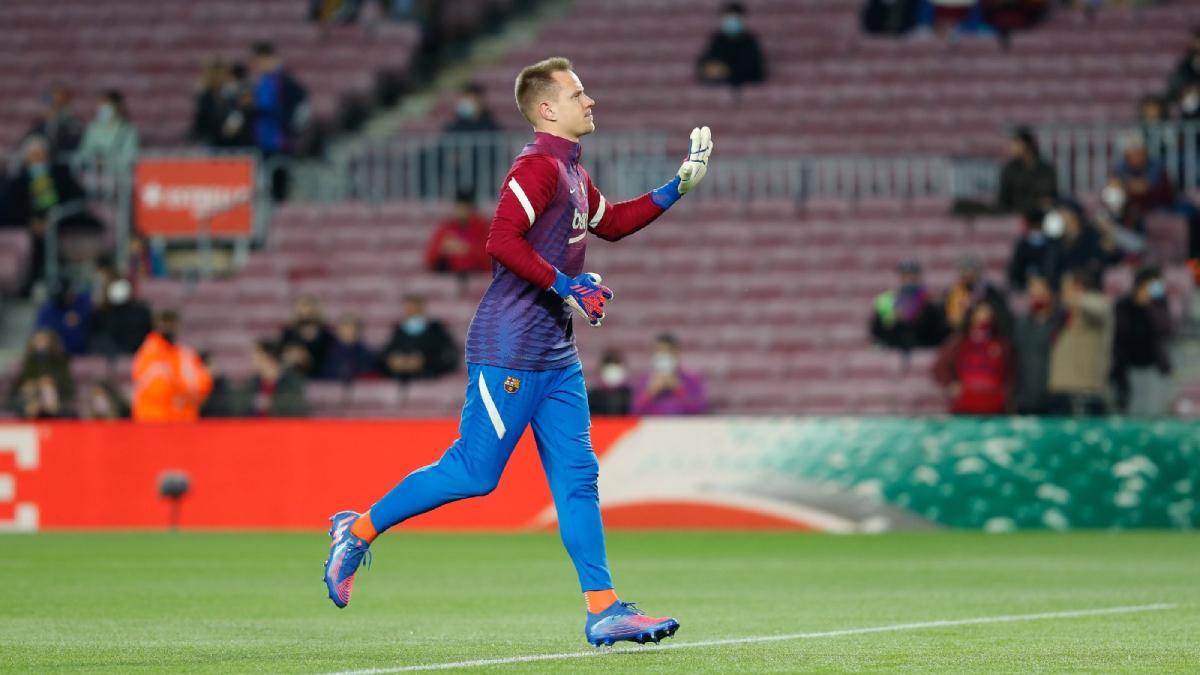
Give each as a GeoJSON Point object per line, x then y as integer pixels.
{"type": "Point", "coordinates": [348, 357]}
{"type": "Point", "coordinates": [281, 111]}
{"type": "Point", "coordinates": [733, 56]}
{"type": "Point", "coordinates": [102, 401]}
{"type": "Point", "coordinates": [1008, 16]}
{"type": "Point", "coordinates": [119, 322]}
{"type": "Point", "coordinates": [613, 396]}
{"type": "Point", "coordinates": [1027, 182]}
{"type": "Point", "coordinates": [146, 261]}
{"type": "Point", "coordinates": [907, 316]}
{"type": "Point", "coordinates": [889, 17]}
{"type": "Point", "coordinates": [309, 331]}
{"type": "Point", "coordinates": [222, 400]}
{"type": "Point", "coordinates": [1141, 357]}
{"type": "Point", "coordinates": [43, 189]}
{"type": "Point", "coordinates": [58, 125]}
{"type": "Point", "coordinates": [275, 390]}
{"type": "Point", "coordinates": [970, 289]}
{"type": "Point", "coordinates": [170, 383]}
{"type": "Point", "coordinates": [1033, 337]}
{"type": "Point", "coordinates": [1079, 244]}
{"type": "Point", "coordinates": [111, 139]}
{"type": "Point", "coordinates": [1187, 70]}
{"type": "Point", "coordinates": [669, 389]}
{"type": "Point", "coordinates": [1110, 221]}
{"type": "Point", "coordinates": [68, 313]}
{"type": "Point", "coordinates": [1145, 188]}
{"type": "Point", "coordinates": [43, 388]}
{"type": "Point", "coordinates": [975, 366]}
{"type": "Point", "coordinates": [460, 243]}
{"type": "Point", "coordinates": [1189, 102]}
{"type": "Point", "coordinates": [420, 347]}
{"type": "Point", "coordinates": [206, 117]}
{"type": "Point", "coordinates": [471, 113]}
{"type": "Point", "coordinates": [1034, 254]}
{"type": "Point", "coordinates": [1082, 351]}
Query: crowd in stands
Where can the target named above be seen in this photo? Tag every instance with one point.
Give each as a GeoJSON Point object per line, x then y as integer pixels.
{"type": "Point", "coordinates": [1070, 351]}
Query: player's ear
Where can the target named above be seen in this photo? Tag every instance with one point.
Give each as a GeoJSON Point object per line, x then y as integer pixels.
{"type": "Point", "coordinates": [546, 110]}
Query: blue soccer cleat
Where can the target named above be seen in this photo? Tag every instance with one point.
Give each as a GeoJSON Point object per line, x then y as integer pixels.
{"type": "Point", "coordinates": [346, 553]}
{"type": "Point", "coordinates": [622, 621]}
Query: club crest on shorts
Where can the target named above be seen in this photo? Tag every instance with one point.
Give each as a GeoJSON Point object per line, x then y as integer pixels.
{"type": "Point", "coordinates": [512, 384]}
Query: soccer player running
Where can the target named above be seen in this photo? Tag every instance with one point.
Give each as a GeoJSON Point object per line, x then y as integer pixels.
{"type": "Point", "coordinates": [522, 364]}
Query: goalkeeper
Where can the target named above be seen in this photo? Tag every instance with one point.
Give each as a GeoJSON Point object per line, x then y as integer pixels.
{"type": "Point", "coordinates": [522, 364]}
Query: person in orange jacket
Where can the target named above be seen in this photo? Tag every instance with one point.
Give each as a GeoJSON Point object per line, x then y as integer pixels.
{"type": "Point", "coordinates": [170, 382]}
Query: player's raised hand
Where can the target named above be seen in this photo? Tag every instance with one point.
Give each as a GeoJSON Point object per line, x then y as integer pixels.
{"type": "Point", "coordinates": [584, 294]}
{"type": "Point", "coordinates": [696, 164]}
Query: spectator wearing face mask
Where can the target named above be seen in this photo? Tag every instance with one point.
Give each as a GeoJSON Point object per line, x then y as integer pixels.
{"type": "Point", "coordinates": [733, 55]}
{"type": "Point", "coordinates": [1141, 347]}
{"type": "Point", "coordinates": [471, 113]}
{"type": "Point", "coordinates": [1189, 102]}
{"type": "Point", "coordinates": [348, 357]}
{"type": "Point", "coordinates": [170, 382]}
{"type": "Point", "coordinates": [459, 244]}
{"type": "Point", "coordinates": [43, 388]}
{"type": "Point", "coordinates": [1146, 188]}
{"type": "Point", "coordinates": [420, 347]}
{"type": "Point", "coordinates": [669, 389]}
{"type": "Point", "coordinates": [907, 316]}
{"type": "Point", "coordinates": [120, 322]}
{"type": "Point", "coordinates": [111, 139]}
{"type": "Point", "coordinates": [308, 330]}
{"type": "Point", "coordinates": [613, 396]}
{"type": "Point", "coordinates": [1033, 337]}
{"type": "Point", "coordinates": [1034, 254]}
{"type": "Point", "coordinates": [1081, 358]}
{"type": "Point", "coordinates": [58, 125]}
{"type": "Point", "coordinates": [1079, 244]}
{"type": "Point", "coordinates": [975, 366]}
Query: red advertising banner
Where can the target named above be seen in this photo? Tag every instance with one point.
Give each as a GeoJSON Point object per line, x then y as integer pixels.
{"type": "Point", "coordinates": [247, 474]}
{"type": "Point", "coordinates": [178, 196]}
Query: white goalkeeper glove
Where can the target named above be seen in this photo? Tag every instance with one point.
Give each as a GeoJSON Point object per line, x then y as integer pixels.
{"type": "Point", "coordinates": [691, 172]}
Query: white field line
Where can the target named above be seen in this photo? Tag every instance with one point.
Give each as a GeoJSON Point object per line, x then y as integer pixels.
{"type": "Point", "coordinates": [890, 628]}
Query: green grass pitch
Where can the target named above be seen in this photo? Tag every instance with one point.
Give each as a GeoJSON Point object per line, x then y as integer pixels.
{"type": "Point", "coordinates": [254, 602]}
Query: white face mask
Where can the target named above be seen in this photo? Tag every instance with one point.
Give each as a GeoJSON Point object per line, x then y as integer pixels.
{"type": "Point", "coordinates": [415, 325]}
{"type": "Point", "coordinates": [1190, 102]}
{"type": "Point", "coordinates": [1053, 225]}
{"type": "Point", "coordinates": [665, 363]}
{"type": "Point", "coordinates": [105, 113]}
{"type": "Point", "coordinates": [1113, 197]}
{"type": "Point", "coordinates": [119, 292]}
{"type": "Point", "coordinates": [613, 375]}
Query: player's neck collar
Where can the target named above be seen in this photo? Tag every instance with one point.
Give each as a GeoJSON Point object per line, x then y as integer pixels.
{"type": "Point", "coordinates": [558, 146]}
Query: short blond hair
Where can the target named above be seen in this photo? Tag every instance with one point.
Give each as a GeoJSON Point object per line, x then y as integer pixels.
{"type": "Point", "coordinates": [536, 82]}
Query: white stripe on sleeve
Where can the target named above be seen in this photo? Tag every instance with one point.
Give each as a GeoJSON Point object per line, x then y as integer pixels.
{"type": "Point", "coordinates": [520, 193]}
{"type": "Point", "coordinates": [599, 213]}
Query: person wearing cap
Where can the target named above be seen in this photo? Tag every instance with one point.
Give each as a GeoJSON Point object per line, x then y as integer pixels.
{"type": "Point", "coordinates": [906, 317]}
{"type": "Point", "coordinates": [970, 289]}
{"type": "Point", "coordinates": [170, 382]}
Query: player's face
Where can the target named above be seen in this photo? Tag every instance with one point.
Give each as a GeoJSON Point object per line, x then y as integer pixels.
{"type": "Point", "coordinates": [574, 107]}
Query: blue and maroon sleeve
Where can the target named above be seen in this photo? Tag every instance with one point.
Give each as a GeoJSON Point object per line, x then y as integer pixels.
{"type": "Point", "coordinates": [527, 190]}
{"type": "Point", "coordinates": [612, 222]}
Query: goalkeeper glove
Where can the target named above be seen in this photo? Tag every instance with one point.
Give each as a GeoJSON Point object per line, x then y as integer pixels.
{"type": "Point", "coordinates": [584, 294]}
{"type": "Point", "coordinates": [690, 173]}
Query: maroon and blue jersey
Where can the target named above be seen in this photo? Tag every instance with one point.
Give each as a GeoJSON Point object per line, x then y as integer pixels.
{"type": "Point", "coordinates": [547, 207]}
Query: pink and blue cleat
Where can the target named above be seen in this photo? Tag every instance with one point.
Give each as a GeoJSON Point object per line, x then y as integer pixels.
{"type": "Point", "coordinates": [346, 553]}
{"type": "Point", "coordinates": [624, 622]}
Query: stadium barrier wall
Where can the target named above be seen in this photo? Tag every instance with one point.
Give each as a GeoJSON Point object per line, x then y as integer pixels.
{"type": "Point", "coordinates": [829, 474]}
